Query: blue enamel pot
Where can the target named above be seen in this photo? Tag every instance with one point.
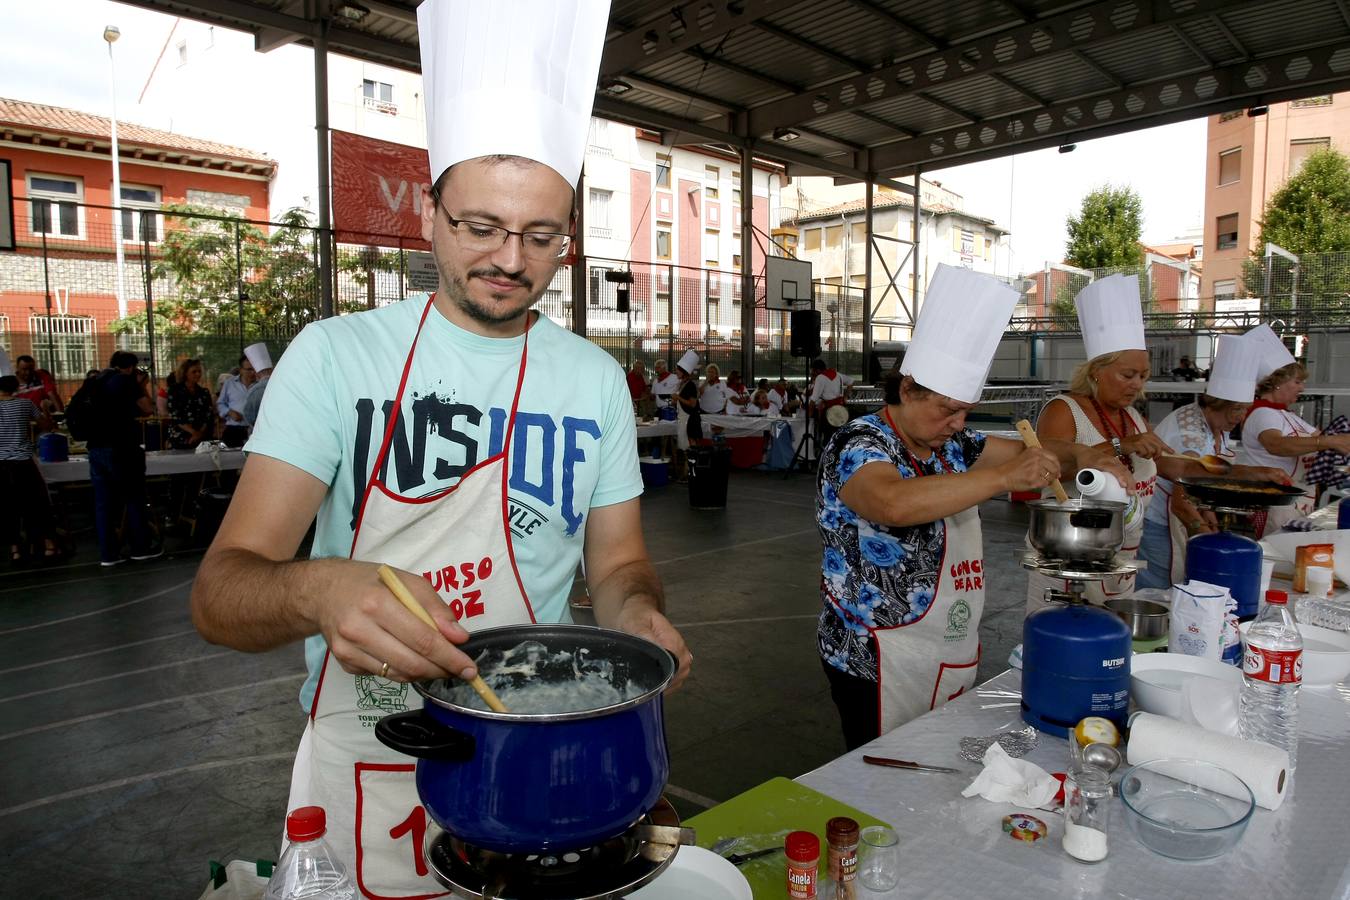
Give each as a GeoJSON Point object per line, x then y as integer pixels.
{"type": "Point", "coordinates": [533, 782]}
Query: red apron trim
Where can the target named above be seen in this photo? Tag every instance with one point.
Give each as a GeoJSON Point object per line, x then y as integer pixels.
{"type": "Point", "coordinates": [942, 667]}
{"type": "Point", "coordinates": [323, 670]}
{"type": "Point", "coordinates": [443, 492]}
{"type": "Point", "coordinates": [359, 768]}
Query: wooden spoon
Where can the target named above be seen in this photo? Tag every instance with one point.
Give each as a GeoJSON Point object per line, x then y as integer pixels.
{"type": "Point", "coordinates": [1031, 440]}
{"type": "Point", "coordinates": [400, 590]}
{"type": "Point", "coordinates": [1209, 461]}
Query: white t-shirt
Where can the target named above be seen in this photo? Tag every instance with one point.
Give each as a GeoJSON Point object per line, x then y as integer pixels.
{"type": "Point", "coordinates": [714, 398]}
{"type": "Point", "coordinates": [825, 389]}
{"type": "Point", "coordinates": [1262, 419]}
{"type": "Point", "coordinates": [572, 450]}
{"type": "Point", "coordinates": [665, 388]}
{"type": "Point", "coordinates": [777, 401]}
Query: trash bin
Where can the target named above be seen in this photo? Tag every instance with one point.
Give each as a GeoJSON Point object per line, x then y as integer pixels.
{"type": "Point", "coordinates": [708, 470]}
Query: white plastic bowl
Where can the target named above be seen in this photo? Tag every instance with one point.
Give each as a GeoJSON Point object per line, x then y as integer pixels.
{"type": "Point", "coordinates": [1326, 655]}
{"type": "Point", "coordinates": [1200, 691]}
{"type": "Point", "coordinates": [700, 873]}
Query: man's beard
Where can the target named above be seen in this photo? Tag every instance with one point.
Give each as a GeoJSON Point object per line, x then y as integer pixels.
{"type": "Point", "coordinates": [458, 291]}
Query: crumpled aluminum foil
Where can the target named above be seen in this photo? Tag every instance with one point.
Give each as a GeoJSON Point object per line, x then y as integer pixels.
{"type": "Point", "coordinates": [1015, 743]}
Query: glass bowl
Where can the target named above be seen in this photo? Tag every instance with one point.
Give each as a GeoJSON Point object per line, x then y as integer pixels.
{"type": "Point", "coordinates": [1185, 808]}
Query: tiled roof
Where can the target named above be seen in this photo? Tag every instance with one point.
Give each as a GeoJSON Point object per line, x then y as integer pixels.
{"type": "Point", "coordinates": [883, 201]}
{"type": "Point", "coordinates": [21, 114]}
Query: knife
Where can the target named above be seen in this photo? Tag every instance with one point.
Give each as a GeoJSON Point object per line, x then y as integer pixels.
{"type": "Point", "coordinates": [906, 764]}
{"type": "Point", "coordinates": [737, 858]}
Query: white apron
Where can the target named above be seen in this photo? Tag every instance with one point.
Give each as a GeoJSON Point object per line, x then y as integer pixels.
{"type": "Point", "coordinates": [460, 540]}
{"type": "Point", "coordinates": [924, 664]}
{"type": "Point", "coordinates": [1145, 472]}
{"type": "Point", "coordinates": [1279, 516]}
{"type": "Point", "coordinates": [1177, 532]}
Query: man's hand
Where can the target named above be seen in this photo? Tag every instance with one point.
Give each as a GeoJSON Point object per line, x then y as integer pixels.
{"type": "Point", "coordinates": [655, 627]}
{"type": "Point", "coordinates": [235, 416]}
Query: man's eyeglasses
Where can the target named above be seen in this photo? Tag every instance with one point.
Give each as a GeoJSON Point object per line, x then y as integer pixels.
{"type": "Point", "coordinates": [479, 237]}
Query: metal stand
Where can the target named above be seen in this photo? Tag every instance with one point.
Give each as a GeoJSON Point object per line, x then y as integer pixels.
{"type": "Point", "coordinates": [809, 441]}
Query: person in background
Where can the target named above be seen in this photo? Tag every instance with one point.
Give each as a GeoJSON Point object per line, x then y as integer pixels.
{"type": "Point", "coordinates": [778, 397]}
{"type": "Point", "coordinates": [1199, 429]}
{"type": "Point", "coordinates": [37, 385]}
{"type": "Point", "coordinates": [261, 359]}
{"type": "Point", "coordinates": [713, 394]}
{"type": "Point", "coordinates": [1186, 370]}
{"type": "Point", "coordinates": [689, 415]}
{"type": "Point", "coordinates": [23, 492]}
{"type": "Point", "coordinates": [190, 407]}
{"type": "Point", "coordinates": [117, 460]}
{"type": "Point", "coordinates": [230, 403]}
{"type": "Point", "coordinates": [828, 389]}
{"type": "Point", "coordinates": [759, 404]}
{"type": "Point", "coordinates": [665, 383]}
{"type": "Point", "coordinates": [637, 380]}
{"type": "Point", "coordinates": [1275, 436]}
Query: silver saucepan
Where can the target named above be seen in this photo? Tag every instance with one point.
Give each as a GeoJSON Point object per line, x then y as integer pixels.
{"type": "Point", "coordinates": [1077, 531]}
{"type": "Point", "coordinates": [1147, 620]}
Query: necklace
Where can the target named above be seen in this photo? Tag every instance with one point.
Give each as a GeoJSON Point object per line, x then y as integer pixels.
{"type": "Point", "coordinates": [1125, 430]}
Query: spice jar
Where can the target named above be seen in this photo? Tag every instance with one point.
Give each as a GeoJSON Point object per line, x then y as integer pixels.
{"type": "Point", "coordinates": [802, 849]}
{"type": "Point", "coordinates": [841, 833]}
{"type": "Point", "coordinates": [1087, 803]}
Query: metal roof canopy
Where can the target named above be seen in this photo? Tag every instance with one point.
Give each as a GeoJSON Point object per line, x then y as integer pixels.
{"type": "Point", "coordinates": [875, 89]}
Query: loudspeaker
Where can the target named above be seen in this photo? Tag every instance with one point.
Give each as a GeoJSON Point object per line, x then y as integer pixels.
{"type": "Point", "coordinates": [804, 339]}
{"type": "Point", "coordinates": [621, 299]}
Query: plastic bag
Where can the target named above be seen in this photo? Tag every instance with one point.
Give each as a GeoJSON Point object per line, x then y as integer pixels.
{"type": "Point", "coordinates": [238, 879]}
{"type": "Point", "coordinates": [1197, 620]}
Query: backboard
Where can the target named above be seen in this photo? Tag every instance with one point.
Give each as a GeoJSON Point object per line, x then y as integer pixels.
{"type": "Point", "coordinates": [787, 283]}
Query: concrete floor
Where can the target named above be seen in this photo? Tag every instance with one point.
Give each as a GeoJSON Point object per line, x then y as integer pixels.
{"type": "Point", "coordinates": [135, 753]}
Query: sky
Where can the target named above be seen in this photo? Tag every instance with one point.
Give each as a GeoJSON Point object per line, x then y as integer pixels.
{"type": "Point", "coordinates": [63, 60]}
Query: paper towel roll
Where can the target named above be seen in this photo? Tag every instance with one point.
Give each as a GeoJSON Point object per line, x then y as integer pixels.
{"type": "Point", "coordinates": [1264, 768]}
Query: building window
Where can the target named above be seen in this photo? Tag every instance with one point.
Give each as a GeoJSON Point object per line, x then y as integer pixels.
{"type": "Point", "coordinates": [1230, 116]}
{"type": "Point", "coordinates": [1300, 150]}
{"type": "Point", "coordinates": [137, 224]}
{"type": "Point", "coordinates": [662, 171]}
{"type": "Point", "coordinates": [736, 188]}
{"type": "Point", "coordinates": [711, 175]}
{"type": "Point", "coordinates": [1227, 229]}
{"type": "Point", "coordinates": [378, 96]}
{"type": "Point", "coordinates": [810, 240]}
{"type": "Point", "coordinates": [834, 236]}
{"type": "Point", "coordinates": [1230, 165]}
{"type": "Point", "coordinates": [859, 233]}
{"type": "Point", "coordinates": [662, 244]}
{"type": "Point", "coordinates": [182, 53]}
{"type": "Point", "coordinates": [1307, 102]}
{"type": "Point", "coordinates": [597, 213]}
{"type": "Point", "coordinates": [711, 242]}
{"type": "Point", "coordinates": [71, 339]}
{"type": "Point", "coordinates": [1225, 290]}
{"type": "Point", "coordinates": [736, 261]}
{"type": "Point", "coordinates": [54, 200]}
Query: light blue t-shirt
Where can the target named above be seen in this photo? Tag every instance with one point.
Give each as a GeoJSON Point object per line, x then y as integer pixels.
{"type": "Point", "coordinates": [574, 446]}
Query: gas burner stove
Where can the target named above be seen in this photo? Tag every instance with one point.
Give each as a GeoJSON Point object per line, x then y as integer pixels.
{"type": "Point", "coordinates": [1077, 570]}
{"type": "Point", "coordinates": [614, 868]}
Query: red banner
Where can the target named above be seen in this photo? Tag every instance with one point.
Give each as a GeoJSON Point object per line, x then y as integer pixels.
{"type": "Point", "coordinates": [377, 191]}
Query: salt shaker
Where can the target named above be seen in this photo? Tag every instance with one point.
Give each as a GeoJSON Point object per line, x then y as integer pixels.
{"type": "Point", "coordinates": [1087, 806]}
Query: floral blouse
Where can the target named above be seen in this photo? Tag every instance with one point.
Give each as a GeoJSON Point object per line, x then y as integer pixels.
{"type": "Point", "coordinates": [195, 408]}
{"type": "Point", "coordinates": [872, 575]}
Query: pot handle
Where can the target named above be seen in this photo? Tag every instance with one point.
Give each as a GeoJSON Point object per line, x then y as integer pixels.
{"type": "Point", "coordinates": [417, 734]}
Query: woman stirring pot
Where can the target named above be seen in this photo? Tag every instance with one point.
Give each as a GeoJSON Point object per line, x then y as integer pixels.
{"type": "Point", "coordinates": [1275, 436]}
{"type": "Point", "coordinates": [902, 582]}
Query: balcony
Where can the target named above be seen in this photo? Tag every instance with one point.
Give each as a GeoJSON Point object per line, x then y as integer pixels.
{"type": "Point", "coordinates": [600, 231]}
{"type": "Point", "coordinates": [381, 106]}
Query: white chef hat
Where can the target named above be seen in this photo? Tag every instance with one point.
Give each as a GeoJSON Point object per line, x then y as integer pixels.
{"type": "Point", "coordinates": [688, 362]}
{"type": "Point", "coordinates": [1110, 317]}
{"type": "Point", "coordinates": [1233, 375]}
{"type": "Point", "coordinates": [510, 77]}
{"type": "Point", "coordinates": [960, 324]}
{"type": "Point", "coordinates": [258, 356]}
{"type": "Point", "coordinates": [1274, 354]}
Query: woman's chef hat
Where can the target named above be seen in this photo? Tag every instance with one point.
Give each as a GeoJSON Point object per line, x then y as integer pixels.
{"type": "Point", "coordinates": [1274, 354]}
{"type": "Point", "coordinates": [688, 362]}
{"type": "Point", "coordinates": [1233, 376]}
{"type": "Point", "coordinates": [510, 77]}
{"type": "Point", "coordinates": [258, 356]}
{"type": "Point", "coordinates": [1110, 317]}
{"type": "Point", "coordinates": [960, 324]}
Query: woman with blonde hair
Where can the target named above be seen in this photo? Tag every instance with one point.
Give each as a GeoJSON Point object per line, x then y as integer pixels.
{"type": "Point", "coordinates": [1273, 435]}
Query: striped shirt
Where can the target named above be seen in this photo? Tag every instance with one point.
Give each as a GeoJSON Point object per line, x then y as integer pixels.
{"type": "Point", "coordinates": [16, 437]}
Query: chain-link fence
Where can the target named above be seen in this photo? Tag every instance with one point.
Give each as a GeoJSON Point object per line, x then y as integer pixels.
{"type": "Point", "coordinates": [192, 283]}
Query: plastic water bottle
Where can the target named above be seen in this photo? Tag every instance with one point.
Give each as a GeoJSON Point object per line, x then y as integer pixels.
{"type": "Point", "coordinates": [1272, 669]}
{"type": "Point", "coordinates": [309, 868]}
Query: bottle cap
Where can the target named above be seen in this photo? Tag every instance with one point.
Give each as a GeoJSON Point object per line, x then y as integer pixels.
{"type": "Point", "coordinates": [306, 823]}
{"type": "Point", "coordinates": [802, 846]}
{"type": "Point", "coordinates": [1277, 597]}
{"type": "Point", "coordinates": [841, 831]}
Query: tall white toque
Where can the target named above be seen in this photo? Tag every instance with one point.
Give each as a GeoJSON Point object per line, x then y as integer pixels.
{"type": "Point", "coordinates": [960, 325]}
{"type": "Point", "coordinates": [1233, 375]}
{"type": "Point", "coordinates": [510, 77]}
{"type": "Point", "coordinates": [1110, 317]}
{"type": "Point", "coordinates": [1274, 354]}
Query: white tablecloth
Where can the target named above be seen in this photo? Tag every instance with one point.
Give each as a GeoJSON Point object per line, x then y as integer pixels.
{"type": "Point", "coordinates": [951, 846]}
{"type": "Point", "coordinates": [157, 462]}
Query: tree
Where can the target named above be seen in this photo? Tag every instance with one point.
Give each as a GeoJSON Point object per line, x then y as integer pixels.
{"type": "Point", "coordinates": [1105, 233]}
{"type": "Point", "coordinates": [1308, 216]}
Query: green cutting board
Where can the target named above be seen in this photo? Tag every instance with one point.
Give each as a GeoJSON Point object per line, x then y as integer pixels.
{"type": "Point", "coordinates": [765, 810]}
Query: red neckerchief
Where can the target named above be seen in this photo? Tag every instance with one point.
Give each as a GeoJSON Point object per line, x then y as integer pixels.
{"type": "Point", "coordinates": [1126, 429]}
{"type": "Point", "coordinates": [1268, 404]}
{"type": "Point", "coordinates": [831, 374]}
{"type": "Point", "coordinates": [905, 447]}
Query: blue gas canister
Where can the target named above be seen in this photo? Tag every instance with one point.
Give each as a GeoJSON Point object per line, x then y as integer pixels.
{"type": "Point", "coordinates": [1228, 560]}
{"type": "Point", "coordinates": [1075, 663]}
{"type": "Point", "coordinates": [53, 447]}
